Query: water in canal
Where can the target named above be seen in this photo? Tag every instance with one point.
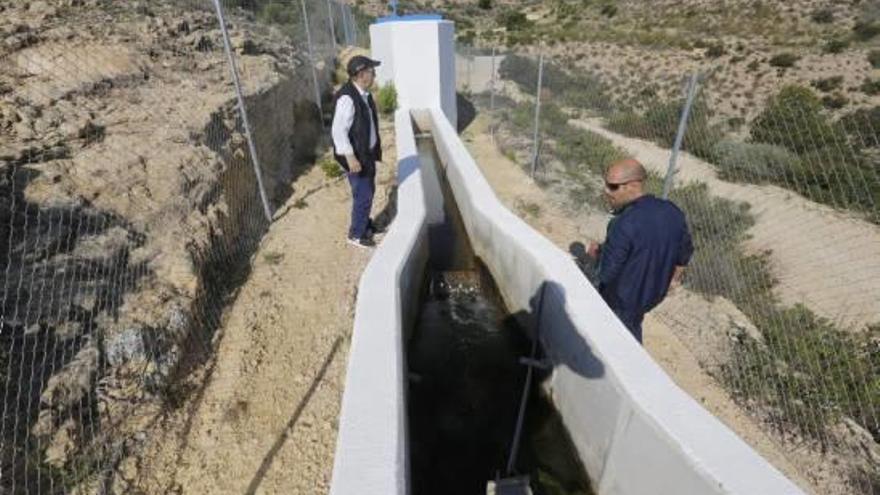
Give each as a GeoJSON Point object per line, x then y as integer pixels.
{"type": "Point", "coordinates": [466, 382]}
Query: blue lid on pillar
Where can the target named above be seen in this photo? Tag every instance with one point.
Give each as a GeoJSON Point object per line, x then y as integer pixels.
{"type": "Point", "coordinates": [409, 17]}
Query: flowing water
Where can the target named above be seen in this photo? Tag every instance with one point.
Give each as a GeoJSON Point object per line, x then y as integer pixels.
{"type": "Point", "coordinates": [466, 382]}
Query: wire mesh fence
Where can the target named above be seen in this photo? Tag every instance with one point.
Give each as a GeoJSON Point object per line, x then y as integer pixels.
{"type": "Point", "coordinates": [780, 301]}
{"type": "Point", "coordinates": [143, 151]}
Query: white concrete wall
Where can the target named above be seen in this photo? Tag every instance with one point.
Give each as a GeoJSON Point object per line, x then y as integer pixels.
{"type": "Point", "coordinates": [635, 430]}
{"type": "Point", "coordinates": [371, 449]}
{"type": "Point", "coordinates": [381, 50]}
{"type": "Point", "coordinates": [419, 58]}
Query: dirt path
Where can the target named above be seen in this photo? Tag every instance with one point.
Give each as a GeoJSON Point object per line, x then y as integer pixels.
{"type": "Point", "coordinates": [266, 420]}
{"type": "Point", "coordinates": [563, 226]}
{"type": "Point", "coordinates": [825, 259]}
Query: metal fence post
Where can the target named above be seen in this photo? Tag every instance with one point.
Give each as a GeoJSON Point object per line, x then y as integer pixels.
{"type": "Point", "coordinates": [492, 97]}
{"type": "Point", "coordinates": [354, 26]}
{"type": "Point", "coordinates": [535, 140]}
{"type": "Point", "coordinates": [241, 108]}
{"type": "Point", "coordinates": [344, 18]}
{"type": "Point", "coordinates": [349, 28]}
{"type": "Point", "coordinates": [312, 63]}
{"type": "Point", "coordinates": [492, 84]}
{"type": "Point", "coordinates": [332, 25]}
{"type": "Point", "coordinates": [679, 137]}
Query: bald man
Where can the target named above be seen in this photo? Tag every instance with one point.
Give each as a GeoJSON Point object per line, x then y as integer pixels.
{"type": "Point", "coordinates": [647, 246]}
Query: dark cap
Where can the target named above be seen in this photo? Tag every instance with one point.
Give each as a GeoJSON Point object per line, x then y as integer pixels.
{"type": "Point", "coordinates": [359, 63]}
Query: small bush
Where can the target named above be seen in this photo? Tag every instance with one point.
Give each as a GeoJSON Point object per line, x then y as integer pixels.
{"type": "Point", "coordinates": [331, 167]}
{"type": "Point", "coordinates": [756, 163]}
{"type": "Point", "coordinates": [513, 20]}
{"type": "Point", "coordinates": [835, 101]}
{"type": "Point", "coordinates": [863, 127]}
{"type": "Point", "coordinates": [806, 372]}
{"type": "Point", "coordinates": [793, 119]}
{"type": "Point", "coordinates": [660, 124]}
{"type": "Point", "coordinates": [485, 4]}
{"type": "Point", "coordinates": [609, 10]}
{"type": "Point", "coordinates": [866, 30]}
{"type": "Point", "coordinates": [276, 13]}
{"type": "Point", "coordinates": [835, 46]}
{"type": "Point", "coordinates": [874, 58]}
{"type": "Point", "coordinates": [581, 90]}
{"type": "Point", "coordinates": [753, 66]}
{"type": "Point", "coordinates": [784, 60]}
{"type": "Point", "coordinates": [717, 225]}
{"type": "Point", "coordinates": [822, 16]}
{"type": "Point", "coordinates": [827, 84]}
{"type": "Point", "coordinates": [870, 87]}
{"type": "Point", "coordinates": [716, 51]}
{"type": "Point", "coordinates": [386, 99]}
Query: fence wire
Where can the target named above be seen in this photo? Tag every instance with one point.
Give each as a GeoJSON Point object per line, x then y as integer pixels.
{"type": "Point", "coordinates": [129, 206]}
{"type": "Point", "coordinates": [779, 304]}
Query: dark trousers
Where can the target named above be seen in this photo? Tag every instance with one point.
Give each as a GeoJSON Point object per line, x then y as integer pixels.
{"type": "Point", "coordinates": [632, 321]}
{"type": "Point", "coordinates": [363, 188]}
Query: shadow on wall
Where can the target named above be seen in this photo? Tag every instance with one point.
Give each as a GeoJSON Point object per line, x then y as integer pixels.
{"type": "Point", "coordinates": [467, 112]}
{"type": "Point", "coordinates": [464, 405]}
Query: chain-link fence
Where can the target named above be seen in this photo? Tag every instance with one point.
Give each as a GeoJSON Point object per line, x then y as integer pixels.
{"type": "Point", "coordinates": [780, 303]}
{"type": "Point", "coordinates": [144, 147]}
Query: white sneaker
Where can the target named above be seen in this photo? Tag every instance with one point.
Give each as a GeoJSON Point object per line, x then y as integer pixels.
{"type": "Point", "coordinates": [362, 243]}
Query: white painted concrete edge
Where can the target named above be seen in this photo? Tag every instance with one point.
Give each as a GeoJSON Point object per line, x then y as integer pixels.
{"type": "Point", "coordinates": [635, 430]}
{"type": "Point", "coordinates": [371, 447]}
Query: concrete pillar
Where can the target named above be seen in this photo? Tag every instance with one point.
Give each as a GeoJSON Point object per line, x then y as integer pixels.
{"type": "Point", "coordinates": [418, 56]}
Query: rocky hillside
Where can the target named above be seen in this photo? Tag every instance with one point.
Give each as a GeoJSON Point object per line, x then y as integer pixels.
{"type": "Point", "coordinates": [128, 212]}
{"type": "Point", "coordinates": [640, 47]}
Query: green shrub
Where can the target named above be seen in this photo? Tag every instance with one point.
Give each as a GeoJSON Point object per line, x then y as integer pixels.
{"type": "Point", "coordinates": [757, 163]}
{"type": "Point", "coordinates": [874, 58]}
{"type": "Point", "coordinates": [660, 124]}
{"type": "Point", "coordinates": [580, 90]}
{"type": "Point", "coordinates": [630, 124]}
{"type": "Point", "coordinates": [822, 16]}
{"type": "Point", "coordinates": [866, 30]}
{"type": "Point", "coordinates": [784, 60]}
{"type": "Point", "coordinates": [585, 151]}
{"type": "Point", "coordinates": [835, 101]}
{"type": "Point", "coordinates": [793, 119]}
{"type": "Point", "coordinates": [513, 20]}
{"type": "Point", "coordinates": [807, 373]}
{"type": "Point", "coordinates": [277, 13]}
{"type": "Point", "coordinates": [717, 225]}
{"type": "Point", "coordinates": [609, 10]}
{"type": "Point", "coordinates": [716, 51]}
{"type": "Point", "coordinates": [386, 99]}
{"type": "Point", "coordinates": [863, 127]}
{"type": "Point", "coordinates": [484, 4]}
{"type": "Point", "coordinates": [331, 167]}
{"type": "Point", "coordinates": [827, 84]}
{"type": "Point", "coordinates": [835, 46]}
{"type": "Point", "coordinates": [870, 87]}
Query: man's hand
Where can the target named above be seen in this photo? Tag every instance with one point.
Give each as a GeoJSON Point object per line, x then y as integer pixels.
{"type": "Point", "coordinates": [354, 166]}
{"type": "Point", "coordinates": [594, 250]}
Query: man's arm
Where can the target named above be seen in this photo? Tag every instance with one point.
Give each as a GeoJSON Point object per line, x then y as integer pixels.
{"type": "Point", "coordinates": [614, 254]}
{"type": "Point", "coordinates": [343, 117]}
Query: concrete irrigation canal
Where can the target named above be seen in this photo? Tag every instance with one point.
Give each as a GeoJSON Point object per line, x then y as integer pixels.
{"type": "Point", "coordinates": [449, 305]}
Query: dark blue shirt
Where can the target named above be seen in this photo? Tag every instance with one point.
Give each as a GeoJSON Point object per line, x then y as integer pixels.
{"type": "Point", "coordinates": [644, 244]}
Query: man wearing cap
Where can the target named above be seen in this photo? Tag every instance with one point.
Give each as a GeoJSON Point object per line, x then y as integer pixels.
{"type": "Point", "coordinates": [356, 145]}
